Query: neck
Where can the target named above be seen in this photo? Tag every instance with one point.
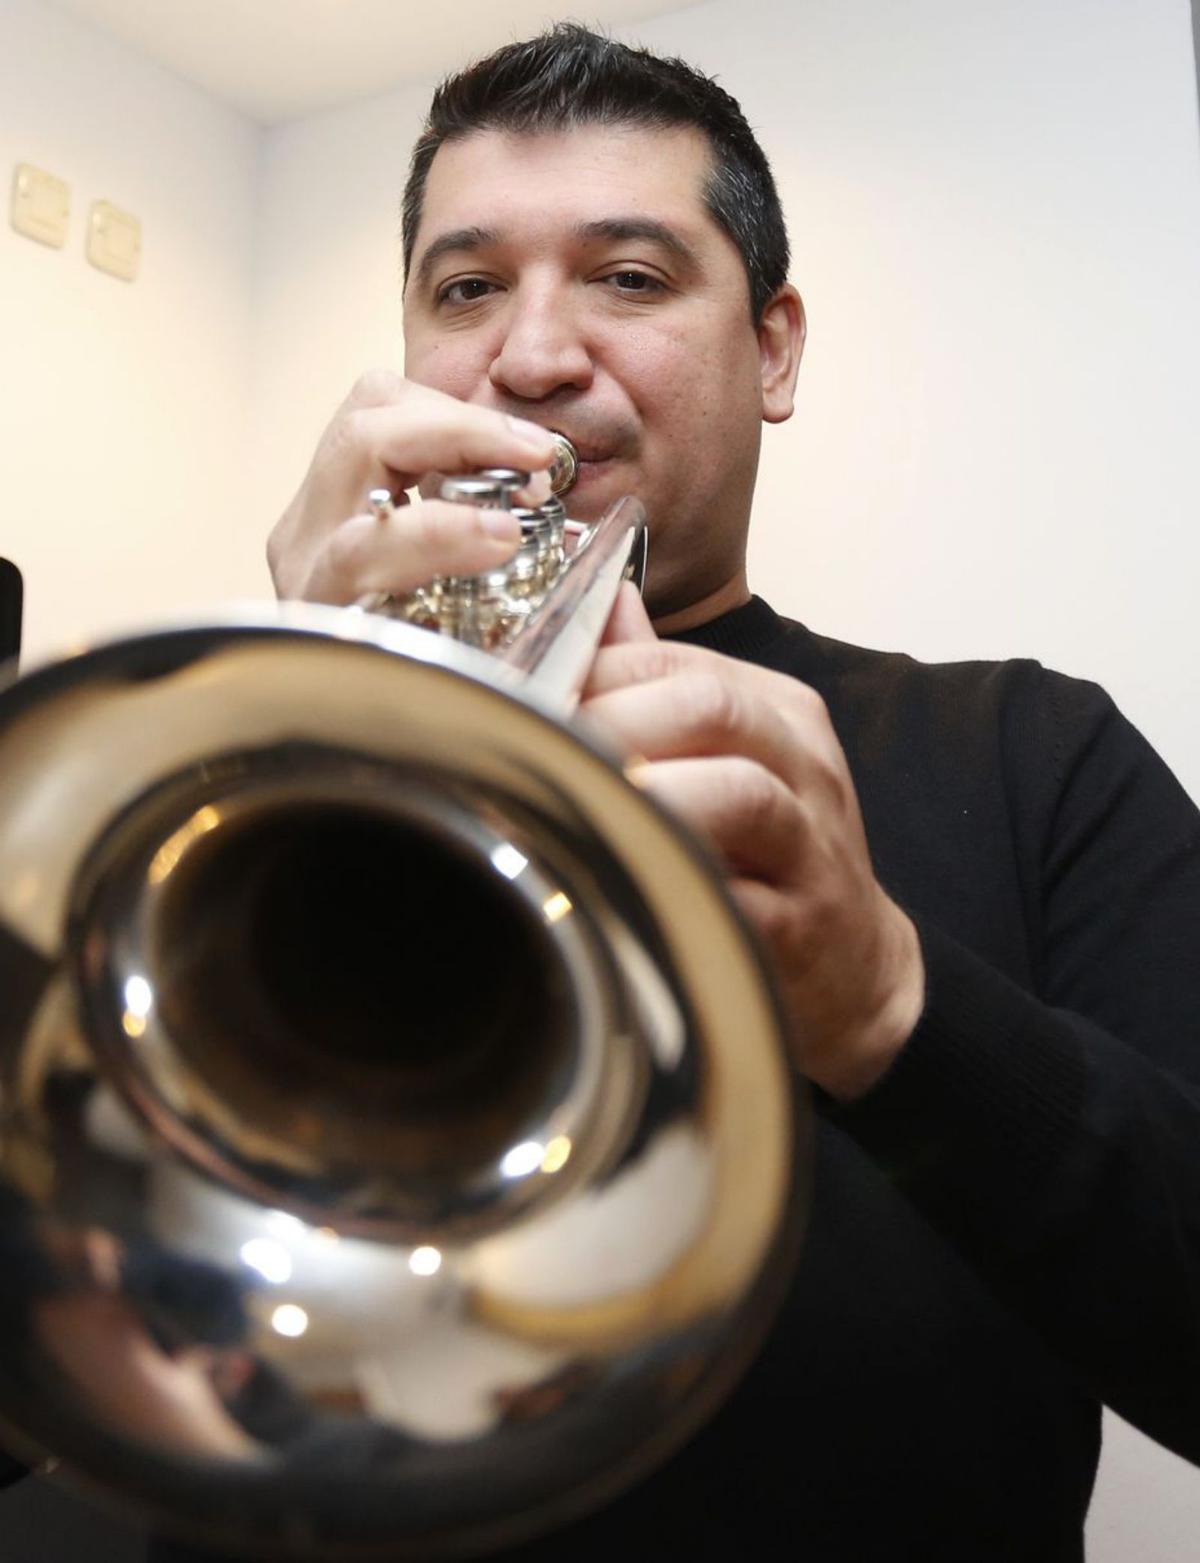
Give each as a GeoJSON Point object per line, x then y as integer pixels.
{"type": "Point", "coordinates": [732, 594]}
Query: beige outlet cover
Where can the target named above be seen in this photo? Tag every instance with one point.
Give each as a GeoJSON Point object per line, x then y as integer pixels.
{"type": "Point", "coordinates": [41, 205]}
{"type": "Point", "coordinates": [114, 240]}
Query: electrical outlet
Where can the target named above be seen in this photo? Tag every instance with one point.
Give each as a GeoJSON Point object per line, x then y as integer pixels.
{"type": "Point", "coordinates": [41, 205]}
{"type": "Point", "coordinates": [114, 240]}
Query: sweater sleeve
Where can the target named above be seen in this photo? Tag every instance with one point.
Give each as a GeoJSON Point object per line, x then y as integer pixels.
{"type": "Point", "coordinates": [1054, 1137]}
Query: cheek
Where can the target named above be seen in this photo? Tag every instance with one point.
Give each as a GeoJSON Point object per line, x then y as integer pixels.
{"type": "Point", "coordinates": [696, 404]}
{"type": "Point", "coordinates": [452, 367]}
{"type": "Point", "coordinates": [673, 384]}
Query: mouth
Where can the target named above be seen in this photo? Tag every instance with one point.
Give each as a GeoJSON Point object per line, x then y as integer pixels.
{"type": "Point", "coordinates": [591, 471]}
{"type": "Point", "coordinates": [592, 454]}
{"type": "Point", "coordinates": [594, 460]}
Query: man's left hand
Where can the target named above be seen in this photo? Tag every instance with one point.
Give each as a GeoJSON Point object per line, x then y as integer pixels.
{"type": "Point", "coordinates": [748, 758]}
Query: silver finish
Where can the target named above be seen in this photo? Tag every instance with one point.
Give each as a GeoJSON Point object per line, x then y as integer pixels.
{"type": "Point", "coordinates": [565, 467]}
{"type": "Point", "coordinates": [492, 610]}
{"type": "Point", "coordinates": [493, 488]}
{"type": "Point", "coordinates": [383, 507]}
{"type": "Point", "coordinates": [398, 1149]}
{"type": "Point", "coordinates": [559, 636]}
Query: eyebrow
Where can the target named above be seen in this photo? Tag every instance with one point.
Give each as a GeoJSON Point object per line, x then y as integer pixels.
{"type": "Point", "coordinates": [465, 241]}
{"type": "Point", "coordinates": [619, 228]}
{"type": "Point", "coordinates": [458, 241]}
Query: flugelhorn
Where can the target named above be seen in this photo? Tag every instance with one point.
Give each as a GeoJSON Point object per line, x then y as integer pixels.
{"type": "Point", "coordinates": [398, 1147]}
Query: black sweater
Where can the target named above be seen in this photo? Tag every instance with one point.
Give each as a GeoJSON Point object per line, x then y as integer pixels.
{"type": "Point", "coordinates": [1006, 1231]}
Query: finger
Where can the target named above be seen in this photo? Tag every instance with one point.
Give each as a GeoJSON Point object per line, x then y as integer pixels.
{"type": "Point", "coordinates": [384, 389]}
{"type": "Point", "coordinates": [628, 623]}
{"type": "Point", "coordinates": [374, 388]}
{"type": "Point", "coordinates": [627, 661]}
{"type": "Point", "coordinates": [701, 713]}
{"type": "Point", "coordinates": [747, 816]}
{"type": "Point", "coordinates": [427, 431]}
{"type": "Point", "coordinates": [409, 548]}
{"type": "Point", "coordinates": [536, 492]}
{"type": "Point", "coordinates": [643, 660]}
{"type": "Point", "coordinates": [795, 942]}
{"type": "Point", "coordinates": [629, 664]}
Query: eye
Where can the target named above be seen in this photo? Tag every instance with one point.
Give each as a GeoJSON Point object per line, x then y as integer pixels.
{"type": "Point", "coordinates": [630, 280]}
{"type": "Point", "coordinates": [466, 290]}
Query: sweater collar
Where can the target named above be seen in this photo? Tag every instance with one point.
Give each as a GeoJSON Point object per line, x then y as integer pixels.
{"type": "Point", "coordinates": [744, 632]}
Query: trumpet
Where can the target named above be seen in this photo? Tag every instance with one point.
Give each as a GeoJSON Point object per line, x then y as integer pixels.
{"type": "Point", "coordinates": [491, 610]}
{"type": "Point", "coordinates": [398, 1148]}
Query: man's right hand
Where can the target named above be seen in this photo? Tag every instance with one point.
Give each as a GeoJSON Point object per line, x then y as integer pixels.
{"type": "Point", "coordinates": [389, 433]}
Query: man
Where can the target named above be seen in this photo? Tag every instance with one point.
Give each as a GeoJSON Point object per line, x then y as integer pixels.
{"type": "Point", "coordinates": [979, 887]}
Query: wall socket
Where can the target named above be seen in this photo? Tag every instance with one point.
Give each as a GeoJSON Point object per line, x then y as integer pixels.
{"type": "Point", "coordinates": [41, 210]}
{"type": "Point", "coordinates": [41, 205]}
{"type": "Point", "coordinates": [114, 240]}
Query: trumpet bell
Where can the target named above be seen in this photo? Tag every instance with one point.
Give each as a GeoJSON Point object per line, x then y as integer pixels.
{"type": "Point", "coordinates": [398, 1151]}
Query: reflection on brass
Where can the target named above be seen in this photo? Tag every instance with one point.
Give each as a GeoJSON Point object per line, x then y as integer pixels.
{"type": "Point", "coordinates": [410, 1104]}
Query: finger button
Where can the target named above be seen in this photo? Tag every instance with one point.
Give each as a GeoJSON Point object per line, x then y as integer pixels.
{"type": "Point", "coordinates": [382, 506]}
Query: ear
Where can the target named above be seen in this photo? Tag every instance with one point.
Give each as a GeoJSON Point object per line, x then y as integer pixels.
{"type": "Point", "coordinates": [781, 333]}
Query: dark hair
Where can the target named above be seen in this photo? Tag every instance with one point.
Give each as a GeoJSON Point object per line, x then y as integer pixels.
{"type": "Point", "coordinates": [571, 76]}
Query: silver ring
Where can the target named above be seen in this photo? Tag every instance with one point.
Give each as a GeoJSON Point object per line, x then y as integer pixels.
{"type": "Point", "coordinates": [382, 505]}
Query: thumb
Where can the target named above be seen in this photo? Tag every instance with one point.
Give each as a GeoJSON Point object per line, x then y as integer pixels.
{"type": "Point", "coordinates": [628, 622]}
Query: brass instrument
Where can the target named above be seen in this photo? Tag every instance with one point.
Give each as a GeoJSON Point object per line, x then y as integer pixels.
{"type": "Point", "coordinates": [398, 1150]}
{"type": "Point", "coordinates": [491, 610]}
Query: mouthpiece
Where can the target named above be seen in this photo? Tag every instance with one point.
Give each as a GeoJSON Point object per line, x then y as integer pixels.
{"type": "Point", "coordinates": [565, 467]}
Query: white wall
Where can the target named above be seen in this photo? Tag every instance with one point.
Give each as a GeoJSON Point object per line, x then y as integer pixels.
{"type": "Point", "coordinates": [123, 406]}
{"type": "Point", "coordinates": [327, 275]}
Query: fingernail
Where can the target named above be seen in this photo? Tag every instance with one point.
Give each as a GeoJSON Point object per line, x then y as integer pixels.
{"type": "Point", "coordinates": [537, 490]}
{"type": "Point", "coordinates": [533, 435]}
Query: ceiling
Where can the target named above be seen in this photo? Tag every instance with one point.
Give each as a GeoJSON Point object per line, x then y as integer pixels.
{"type": "Point", "coordinates": [280, 59]}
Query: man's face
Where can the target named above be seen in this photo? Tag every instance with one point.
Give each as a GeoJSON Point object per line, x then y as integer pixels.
{"type": "Point", "coordinates": [575, 278]}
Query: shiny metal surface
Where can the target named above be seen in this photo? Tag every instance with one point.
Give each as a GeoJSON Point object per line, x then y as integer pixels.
{"type": "Point", "coordinates": [398, 1152]}
{"type": "Point", "coordinates": [492, 610]}
{"type": "Point", "coordinates": [565, 467]}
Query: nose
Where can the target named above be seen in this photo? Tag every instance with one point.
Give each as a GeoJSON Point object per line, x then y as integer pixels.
{"type": "Point", "coordinates": [543, 349]}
